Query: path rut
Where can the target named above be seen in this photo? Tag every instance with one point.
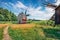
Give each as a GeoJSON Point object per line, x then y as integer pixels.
{"type": "Point", "coordinates": [6, 34]}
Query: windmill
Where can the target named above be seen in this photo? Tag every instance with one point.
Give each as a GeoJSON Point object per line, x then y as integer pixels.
{"type": "Point", "coordinates": [22, 17]}
{"type": "Point", "coordinates": [56, 16]}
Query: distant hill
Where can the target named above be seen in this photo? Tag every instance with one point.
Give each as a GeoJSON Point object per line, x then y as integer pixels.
{"type": "Point", "coordinates": [6, 15]}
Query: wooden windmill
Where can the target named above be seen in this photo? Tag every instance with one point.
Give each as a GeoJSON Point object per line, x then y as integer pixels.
{"type": "Point", "coordinates": [22, 17]}
{"type": "Point", "coordinates": [57, 13]}
{"type": "Point", "coordinates": [56, 16]}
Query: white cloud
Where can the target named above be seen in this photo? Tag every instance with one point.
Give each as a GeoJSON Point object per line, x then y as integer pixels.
{"type": "Point", "coordinates": [38, 8]}
{"type": "Point", "coordinates": [20, 5]}
{"type": "Point", "coordinates": [35, 13]}
{"type": "Point", "coordinates": [50, 11]}
{"type": "Point", "coordinates": [41, 15]}
{"type": "Point", "coordinates": [57, 3]}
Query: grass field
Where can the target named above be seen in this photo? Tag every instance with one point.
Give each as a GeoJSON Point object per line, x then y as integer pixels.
{"type": "Point", "coordinates": [1, 31]}
{"type": "Point", "coordinates": [36, 32]}
{"type": "Point", "coordinates": [8, 22]}
{"type": "Point", "coordinates": [24, 33]}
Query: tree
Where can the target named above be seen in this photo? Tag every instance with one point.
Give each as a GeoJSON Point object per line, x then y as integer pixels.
{"type": "Point", "coordinates": [6, 15]}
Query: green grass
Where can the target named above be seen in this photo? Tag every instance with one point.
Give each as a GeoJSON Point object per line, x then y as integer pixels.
{"type": "Point", "coordinates": [42, 22]}
{"type": "Point", "coordinates": [52, 33]}
{"type": "Point", "coordinates": [25, 34]}
{"type": "Point", "coordinates": [8, 22]}
{"type": "Point", "coordinates": [36, 33]}
{"type": "Point", "coordinates": [46, 27]}
{"type": "Point", "coordinates": [1, 33]}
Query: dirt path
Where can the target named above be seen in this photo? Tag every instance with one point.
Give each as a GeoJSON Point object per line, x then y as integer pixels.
{"type": "Point", "coordinates": [5, 34]}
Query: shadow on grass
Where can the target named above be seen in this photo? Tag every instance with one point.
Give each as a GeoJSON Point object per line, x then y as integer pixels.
{"type": "Point", "coordinates": [52, 33]}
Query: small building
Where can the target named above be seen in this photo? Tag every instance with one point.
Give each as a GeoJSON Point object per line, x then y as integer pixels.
{"type": "Point", "coordinates": [22, 18]}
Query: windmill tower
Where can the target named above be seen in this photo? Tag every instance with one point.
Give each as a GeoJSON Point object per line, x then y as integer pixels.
{"type": "Point", "coordinates": [57, 13]}
{"type": "Point", "coordinates": [22, 17]}
{"type": "Point", "coordinates": [56, 16]}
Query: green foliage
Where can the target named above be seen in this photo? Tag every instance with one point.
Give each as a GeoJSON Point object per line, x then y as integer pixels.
{"type": "Point", "coordinates": [50, 22]}
{"type": "Point", "coordinates": [6, 15]}
{"type": "Point", "coordinates": [53, 33]}
{"type": "Point", "coordinates": [42, 22]}
{"type": "Point", "coordinates": [1, 33]}
{"type": "Point", "coordinates": [1, 17]}
{"type": "Point", "coordinates": [8, 22]}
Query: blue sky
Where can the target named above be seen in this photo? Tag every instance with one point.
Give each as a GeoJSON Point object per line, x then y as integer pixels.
{"type": "Point", "coordinates": [33, 7]}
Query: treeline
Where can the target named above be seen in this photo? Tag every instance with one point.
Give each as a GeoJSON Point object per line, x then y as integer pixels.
{"type": "Point", "coordinates": [6, 15]}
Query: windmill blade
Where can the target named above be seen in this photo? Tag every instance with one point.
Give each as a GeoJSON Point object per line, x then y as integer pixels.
{"type": "Point", "coordinates": [25, 12]}
{"type": "Point", "coordinates": [51, 5]}
{"type": "Point", "coordinates": [48, 4]}
{"type": "Point", "coordinates": [43, 4]}
{"type": "Point", "coordinates": [28, 15]}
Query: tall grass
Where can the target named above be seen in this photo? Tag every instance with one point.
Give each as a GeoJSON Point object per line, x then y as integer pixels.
{"type": "Point", "coordinates": [1, 33]}
{"type": "Point", "coordinates": [35, 33]}
{"type": "Point", "coordinates": [43, 22]}
{"type": "Point", "coordinates": [8, 22]}
{"type": "Point", "coordinates": [25, 34]}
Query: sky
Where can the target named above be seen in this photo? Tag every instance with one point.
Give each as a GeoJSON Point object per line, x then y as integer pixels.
{"type": "Point", "coordinates": [35, 8]}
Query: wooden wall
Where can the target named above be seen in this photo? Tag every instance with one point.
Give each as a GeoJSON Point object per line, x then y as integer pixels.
{"type": "Point", "coordinates": [57, 16]}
